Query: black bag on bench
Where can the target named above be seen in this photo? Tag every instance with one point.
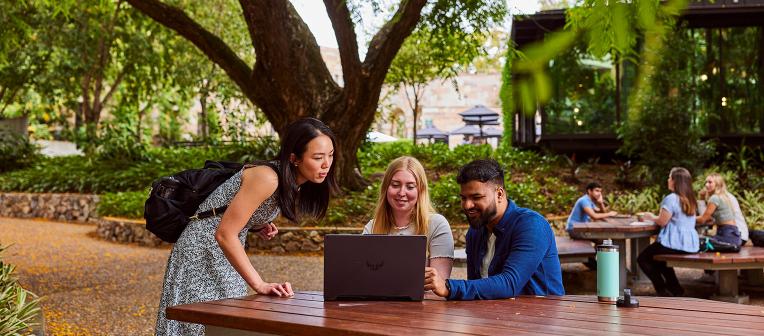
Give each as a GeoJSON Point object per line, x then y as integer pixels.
{"type": "Point", "coordinates": [757, 237]}
{"type": "Point", "coordinates": [711, 244]}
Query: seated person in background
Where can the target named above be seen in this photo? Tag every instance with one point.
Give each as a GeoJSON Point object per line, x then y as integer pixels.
{"type": "Point", "coordinates": [677, 234]}
{"type": "Point", "coordinates": [404, 208]}
{"type": "Point", "coordinates": [723, 208]}
{"type": "Point", "coordinates": [511, 250]}
{"type": "Point", "coordinates": [588, 207]}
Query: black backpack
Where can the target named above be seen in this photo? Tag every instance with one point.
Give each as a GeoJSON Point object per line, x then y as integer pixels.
{"type": "Point", "coordinates": [711, 244]}
{"type": "Point", "coordinates": [757, 237]}
{"type": "Point", "coordinates": [173, 200]}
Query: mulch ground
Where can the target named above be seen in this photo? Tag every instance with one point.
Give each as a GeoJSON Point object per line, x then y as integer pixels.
{"type": "Point", "coordinates": [94, 287]}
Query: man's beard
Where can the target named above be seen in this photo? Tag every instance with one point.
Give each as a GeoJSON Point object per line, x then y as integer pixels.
{"type": "Point", "coordinates": [485, 217]}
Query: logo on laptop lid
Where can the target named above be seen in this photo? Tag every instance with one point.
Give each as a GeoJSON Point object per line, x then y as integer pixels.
{"type": "Point", "coordinates": [374, 266]}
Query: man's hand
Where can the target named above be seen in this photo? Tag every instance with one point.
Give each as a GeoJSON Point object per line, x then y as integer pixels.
{"type": "Point", "coordinates": [268, 232]}
{"type": "Point", "coordinates": [433, 282]}
{"type": "Point", "coordinates": [612, 213]}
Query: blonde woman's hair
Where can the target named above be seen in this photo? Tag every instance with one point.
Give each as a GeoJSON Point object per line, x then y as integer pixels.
{"type": "Point", "coordinates": [720, 188]}
{"type": "Point", "coordinates": [383, 215]}
{"type": "Point", "coordinates": [683, 188]}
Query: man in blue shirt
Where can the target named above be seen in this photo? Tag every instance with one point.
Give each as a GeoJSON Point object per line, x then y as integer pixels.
{"type": "Point", "coordinates": [511, 250]}
{"type": "Point", "coordinates": [587, 208]}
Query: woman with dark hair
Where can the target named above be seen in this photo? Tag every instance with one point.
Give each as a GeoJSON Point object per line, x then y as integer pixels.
{"type": "Point", "coordinates": [677, 234]}
{"type": "Point", "coordinates": [208, 262]}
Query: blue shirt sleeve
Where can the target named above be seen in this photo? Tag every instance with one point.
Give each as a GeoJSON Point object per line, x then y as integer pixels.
{"type": "Point", "coordinates": [528, 247]}
{"type": "Point", "coordinates": [588, 203]}
{"type": "Point", "coordinates": [670, 203]}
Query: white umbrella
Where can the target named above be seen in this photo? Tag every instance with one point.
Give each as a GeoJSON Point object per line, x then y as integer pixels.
{"type": "Point", "coordinates": [375, 136]}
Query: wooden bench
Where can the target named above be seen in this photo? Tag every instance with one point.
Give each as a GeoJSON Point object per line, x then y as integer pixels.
{"type": "Point", "coordinates": [569, 250]}
{"type": "Point", "coordinates": [728, 264]}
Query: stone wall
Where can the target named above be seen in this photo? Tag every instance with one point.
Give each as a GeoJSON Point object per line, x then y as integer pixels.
{"type": "Point", "coordinates": [289, 239]}
{"type": "Point", "coordinates": [123, 230]}
{"type": "Point", "coordinates": [82, 208]}
{"type": "Point", "coordinates": [63, 207]}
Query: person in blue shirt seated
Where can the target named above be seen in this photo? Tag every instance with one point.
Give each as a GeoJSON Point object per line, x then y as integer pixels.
{"type": "Point", "coordinates": [511, 250]}
{"type": "Point", "coordinates": [588, 207]}
{"type": "Point", "coordinates": [677, 234]}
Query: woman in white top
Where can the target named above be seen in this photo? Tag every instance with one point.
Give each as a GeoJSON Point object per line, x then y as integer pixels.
{"type": "Point", "coordinates": [404, 208]}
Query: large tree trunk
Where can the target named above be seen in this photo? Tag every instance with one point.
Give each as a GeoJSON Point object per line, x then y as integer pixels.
{"type": "Point", "coordinates": [290, 80]}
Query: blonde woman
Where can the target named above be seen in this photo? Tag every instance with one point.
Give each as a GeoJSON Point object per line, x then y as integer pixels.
{"type": "Point", "coordinates": [404, 208]}
{"type": "Point", "coordinates": [723, 208]}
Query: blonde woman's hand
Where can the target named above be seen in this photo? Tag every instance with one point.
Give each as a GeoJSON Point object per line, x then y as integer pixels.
{"type": "Point", "coordinates": [275, 289]}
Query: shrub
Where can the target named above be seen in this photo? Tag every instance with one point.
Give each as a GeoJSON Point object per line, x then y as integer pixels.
{"type": "Point", "coordinates": [16, 151]}
{"type": "Point", "coordinates": [374, 157]}
{"type": "Point", "coordinates": [444, 194]}
{"type": "Point", "coordinates": [660, 132]}
{"type": "Point", "coordinates": [752, 205]}
{"type": "Point", "coordinates": [127, 204]}
{"type": "Point", "coordinates": [101, 175]}
{"type": "Point", "coordinates": [354, 209]}
{"type": "Point", "coordinates": [118, 143]}
{"type": "Point", "coordinates": [18, 307]}
{"type": "Point", "coordinates": [648, 199]}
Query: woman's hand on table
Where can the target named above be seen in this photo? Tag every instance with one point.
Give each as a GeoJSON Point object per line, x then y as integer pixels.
{"type": "Point", "coordinates": [275, 289]}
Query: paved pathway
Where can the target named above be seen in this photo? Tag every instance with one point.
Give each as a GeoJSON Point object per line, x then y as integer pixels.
{"type": "Point", "coordinates": [94, 287]}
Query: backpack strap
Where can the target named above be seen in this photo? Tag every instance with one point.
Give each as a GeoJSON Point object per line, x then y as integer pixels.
{"type": "Point", "coordinates": [209, 213]}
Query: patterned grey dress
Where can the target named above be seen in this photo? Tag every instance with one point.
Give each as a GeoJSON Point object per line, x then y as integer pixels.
{"type": "Point", "coordinates": [197, 269]}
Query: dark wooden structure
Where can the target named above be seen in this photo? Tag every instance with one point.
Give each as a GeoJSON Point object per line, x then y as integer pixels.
{"type": "Point", "coordinates": [307, 314]}
{"type": "Point", "coordinates": [699, 14]}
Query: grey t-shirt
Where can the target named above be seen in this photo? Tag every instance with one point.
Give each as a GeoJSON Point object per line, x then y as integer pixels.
{"type": "Point", "coordinates": [723, 212]}
{"type": "Point", "coordinates": [438, 234]}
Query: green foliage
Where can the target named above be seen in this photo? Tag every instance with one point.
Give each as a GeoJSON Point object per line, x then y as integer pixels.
{"type": "Point", "coordinates": [16, 151]}
{"type": "Point", "coordinates": [608, 28]}
{"type": "Point", "coordinates": [18, 307]}
{"type": "Point", "coordinates": [353, 210]}
{"type": "Point", "coordinates": [94, 175]}
{"type": "Point", "coordinates": [128, 204]}
{"type": "Point", "coordinates": [119, 143]}
{"type": "Point", "coordinates": [662, 135]}
{"type": "Point", "coordinates": [648, 200]}
{"type": "Point", "coordinates": [583, 98]}
{"type": "Point", "coordinates": [444, 194]}
{"type": "Point", "coordinates": [505, 96]}
{"type": "Point", "coordinates": [752, 205]}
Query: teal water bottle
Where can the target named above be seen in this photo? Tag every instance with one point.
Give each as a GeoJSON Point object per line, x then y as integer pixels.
{"type": "Point", "coordinates": [607, 271]}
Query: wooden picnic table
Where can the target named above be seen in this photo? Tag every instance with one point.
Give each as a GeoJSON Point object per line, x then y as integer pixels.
{"type": "Point", "coordinates": [620, 229]}
{"type": "Point", "coordinates": [727, 264]}
{"type": "Point", "coordinates": [307, 314]}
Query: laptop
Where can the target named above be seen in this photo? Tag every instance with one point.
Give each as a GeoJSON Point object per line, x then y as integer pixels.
{"type": "Point", "coordinates": [374, 267]}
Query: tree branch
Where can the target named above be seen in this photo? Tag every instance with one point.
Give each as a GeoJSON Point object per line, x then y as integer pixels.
{"type": "Point", "coordinates": [116, 83]}
{"type": "Point", "coordinates": [347, 42]}
{"type": "Point", "coordinates": [286, 48]}
{"type": "Point", "coordinates": [388, 40]}
{"type": "Point", "coordinates": [211, 45]}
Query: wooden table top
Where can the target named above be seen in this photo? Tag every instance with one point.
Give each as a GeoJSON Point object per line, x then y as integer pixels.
{"type": "Point", "coordinates": [308, 314]}
{"type": "Point", "coordinates": [747, 254]}
{"type": "Point", "coordinates": [617, 224]}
